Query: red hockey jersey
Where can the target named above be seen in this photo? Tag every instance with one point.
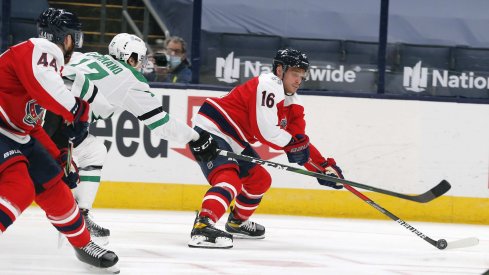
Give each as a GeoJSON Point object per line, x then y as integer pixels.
{"type": "Point", "coordinates": [257, 110]}
{"type": "Point", "coordinates": [248, 113]}
{"type": "Point", "coordinates": [30, 82]}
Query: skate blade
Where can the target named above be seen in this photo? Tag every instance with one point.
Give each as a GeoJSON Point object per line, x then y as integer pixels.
{"type": "Point", "coordinates": [62, 241]}
{"type": "Point", "coordinates": [202, 242]}
{"type": "Point", "coordinates": [107, 270]}
{"type": "Point", "coordinates": [244, 236]}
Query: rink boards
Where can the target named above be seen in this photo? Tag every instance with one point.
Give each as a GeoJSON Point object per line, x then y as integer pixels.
{"type": "Point", "coordinates": [405, 146]}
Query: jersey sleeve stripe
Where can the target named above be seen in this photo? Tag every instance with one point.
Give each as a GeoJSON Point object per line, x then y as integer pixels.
{"type": "Point", "coordinates": [227, 118]}
{"type": "Point", "coordinates": [94, 94]}
{"type": "Point", "coordinates": [224, 125]}
{"type": "Point", "coordinates": [9, 123]}
{"type": "Point", "coordinates": [159, 122]}
{"type": "Point", "coordinates": [151, 113]}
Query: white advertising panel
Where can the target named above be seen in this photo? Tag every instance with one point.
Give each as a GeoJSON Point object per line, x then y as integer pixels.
{"type": "Point", "coordinates": [406, 146]}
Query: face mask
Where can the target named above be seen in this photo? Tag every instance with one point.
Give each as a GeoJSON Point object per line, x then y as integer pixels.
{"type": "Point", "coordinates": [174, 61]}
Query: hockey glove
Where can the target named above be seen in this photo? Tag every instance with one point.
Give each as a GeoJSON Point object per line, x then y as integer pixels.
{"type": "Point", "coordinates": [70, 175]}
{"type": "Point", "coordinates": [78, 130]}
{"type": "Point", "coordinates": [298, 149]}
{"type": "Point", "coordinates": [329, 168]}
{"type": "Point", "coordinates": [205, 148]}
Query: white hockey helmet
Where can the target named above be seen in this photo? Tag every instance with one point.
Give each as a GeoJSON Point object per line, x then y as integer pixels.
{"type": "Point", "coordinates": [124, 45]}
{"type": "Point", "coordinates": [113, 48]}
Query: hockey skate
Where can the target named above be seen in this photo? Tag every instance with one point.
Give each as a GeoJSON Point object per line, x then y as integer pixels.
{"type": "Point", "coordinates": [205, 235]}
{"type": "Point", "coordinates": [244, 229]}
{"type": "Point", "coordinates": [98, 257]}
{"type": "Point", "coordinates": [97, 232]}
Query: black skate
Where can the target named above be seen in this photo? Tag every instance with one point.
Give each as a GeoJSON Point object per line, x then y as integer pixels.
{"type": "Point", "coordinates": [244, 229]}
{"type": "Point", "coordinates": [205, 235]}
{"type": "Point", "coordinates": [97, 232]}
{"type": "Point", "coordinates": [98, 257]}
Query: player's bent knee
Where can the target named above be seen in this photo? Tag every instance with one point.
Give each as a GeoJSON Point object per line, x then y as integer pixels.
{"type": "Point", "coordinates": [91, 152]}
{"type": "Point", "coordinates": [56, 200]}
{"type": "Point", "coordinates": [227, 178]}
{"type": "Point", "coordinates": [258, 181]}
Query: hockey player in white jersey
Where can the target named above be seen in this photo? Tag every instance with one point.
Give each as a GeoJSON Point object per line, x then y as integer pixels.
{"type": "Point", "coordinates": [119, 84]}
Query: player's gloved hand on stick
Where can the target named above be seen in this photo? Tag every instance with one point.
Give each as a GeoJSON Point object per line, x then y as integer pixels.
{"type": "Point", "coordinates": [78, 130]}
{"type": "Point", "coordinates": [298, 149]}
{"type": "Point", "coordinates": [205, 148]}
{"type": "Point", "coordinates": [70, 171]}
{"type": "Point", "coordinates": [332, 170]}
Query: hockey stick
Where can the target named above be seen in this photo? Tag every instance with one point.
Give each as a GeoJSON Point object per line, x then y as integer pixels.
{"type": "Point", "coordinates": [70, 158]}
{"type": "Point", "coordinates": [440, 244]}
{"type": "Point", "coordinates": [433, 193]}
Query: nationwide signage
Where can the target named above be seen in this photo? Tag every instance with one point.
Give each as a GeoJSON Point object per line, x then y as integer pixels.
{"type": "Point", "coordinates": [228, 70]}
{"type": "Point", "coordinates": [417, 79]}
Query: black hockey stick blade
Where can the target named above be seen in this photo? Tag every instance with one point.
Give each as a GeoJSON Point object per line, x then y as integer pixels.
{"type": "Point", "coordinates": [440, 189]}
{"type": "Point", "coordinates": [430, 195]}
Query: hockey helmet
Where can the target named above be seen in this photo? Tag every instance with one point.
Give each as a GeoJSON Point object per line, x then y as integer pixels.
{"type": "Point", "coordinates": [290, 58]}
{"type": "Point", "coordinates": [125, 45]}
{"type": "Point", "coordinates": [55, 24]}
{"type": "Point", "coordinates": [113, 45]}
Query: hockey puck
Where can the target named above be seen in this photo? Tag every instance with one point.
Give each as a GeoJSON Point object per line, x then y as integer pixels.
{"type": "Point", "coordinates": [441, 244]}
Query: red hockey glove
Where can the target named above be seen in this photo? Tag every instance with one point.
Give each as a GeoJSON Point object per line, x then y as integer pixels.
{"type": "Point", "coordinates": [298, 149]}
{"type": "Point", "coordinates": [78, 130]}
{"type": "Point", "coordinates": [70, 176]}
{"type": "Point", "coordinates": [330, 168]}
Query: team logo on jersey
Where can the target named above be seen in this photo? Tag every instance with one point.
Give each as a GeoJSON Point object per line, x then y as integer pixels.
{"type": "Point", "coordinates": [33, 113]}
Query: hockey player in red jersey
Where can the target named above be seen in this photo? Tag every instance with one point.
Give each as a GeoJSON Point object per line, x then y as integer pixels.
{"type": "Point", "coordinates": [265, 109]}
{"type": "Point", "coordinates": [31, 168]}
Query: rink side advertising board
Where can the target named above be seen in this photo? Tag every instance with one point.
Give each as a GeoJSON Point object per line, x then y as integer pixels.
{"type": "Point", "coordinates": [405, 146]}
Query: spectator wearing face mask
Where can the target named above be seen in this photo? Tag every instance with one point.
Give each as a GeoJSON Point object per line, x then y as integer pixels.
{"type": "Point", "coordinates": [178, 65]}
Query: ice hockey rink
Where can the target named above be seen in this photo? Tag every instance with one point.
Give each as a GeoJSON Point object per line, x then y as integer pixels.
{"type": "Point", "coordinates": [155, 242]}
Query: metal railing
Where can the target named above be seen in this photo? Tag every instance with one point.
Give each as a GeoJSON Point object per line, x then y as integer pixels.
{"type": "Point", "coordinates": [127, 20]}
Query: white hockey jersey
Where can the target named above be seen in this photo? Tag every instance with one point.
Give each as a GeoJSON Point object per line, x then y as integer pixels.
{"type": "Point", "coordinates": [122, 87]}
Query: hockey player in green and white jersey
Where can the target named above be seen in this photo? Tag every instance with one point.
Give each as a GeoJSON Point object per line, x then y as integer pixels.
{"type": "Point", "coordinates": [109, 82]}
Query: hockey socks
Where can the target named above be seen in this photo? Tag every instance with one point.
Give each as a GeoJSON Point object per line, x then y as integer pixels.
{"type": "Point", "coordinates": [16, 193]}
{"type": "Point", "coordinates": [225, 187]}
{"type": "Point", "coordinates": [62, 211]}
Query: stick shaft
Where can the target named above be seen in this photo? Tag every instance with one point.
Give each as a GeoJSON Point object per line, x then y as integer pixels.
{"type": "Point", "coordinates": [390, 215]}
{"type": "Point", "coordinates": [423, 198]}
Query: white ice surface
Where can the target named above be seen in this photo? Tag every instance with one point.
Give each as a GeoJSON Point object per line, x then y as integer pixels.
{"type": "Point", "coordinates": [155, 242]}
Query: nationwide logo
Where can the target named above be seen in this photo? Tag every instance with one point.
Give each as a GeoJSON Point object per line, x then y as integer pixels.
{"type": "Point", "coordinates": [416, 79]}
{"type": "Point", "coordinates": [228, 70]}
